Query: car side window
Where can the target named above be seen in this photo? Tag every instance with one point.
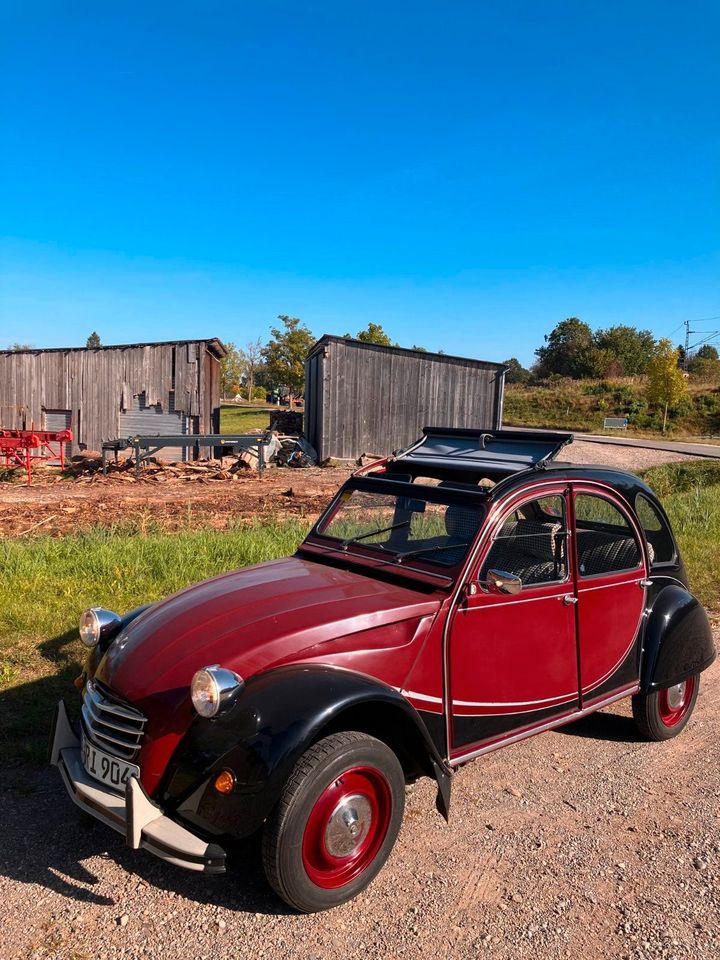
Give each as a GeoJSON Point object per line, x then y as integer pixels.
{"type": "Point", "coordinates": [605, 540]}
{"type": "Point", "coordinates": [657, 532]}
{"type": "Point", "coordinates": [531, 543]}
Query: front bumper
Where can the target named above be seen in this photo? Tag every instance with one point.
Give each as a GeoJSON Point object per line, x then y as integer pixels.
{"type": "Point", "coordinates": [135, 816]}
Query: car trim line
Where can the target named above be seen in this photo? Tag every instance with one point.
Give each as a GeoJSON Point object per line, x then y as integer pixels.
{"type": "Point", "coordinates": [547, 725]}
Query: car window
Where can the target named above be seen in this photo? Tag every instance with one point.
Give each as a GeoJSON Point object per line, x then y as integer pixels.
{"type": "Point", "coordinates": [531, 543]}
{"type": "Point", "coordinates": [657, 532]}
{"type": "Point", "coordinates": [605, 540]}
{"type": "Point", "coordinates": [427, 526]}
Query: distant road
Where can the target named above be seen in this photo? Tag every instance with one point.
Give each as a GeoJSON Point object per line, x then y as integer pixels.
{"type": "Point", "coordinates": [671, 446]}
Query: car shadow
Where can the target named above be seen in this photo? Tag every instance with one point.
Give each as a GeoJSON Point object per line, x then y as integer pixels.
{"type": "Point", "coordinates": [48, 841]}
{"type": "Point", "coordinates": [611, 727]}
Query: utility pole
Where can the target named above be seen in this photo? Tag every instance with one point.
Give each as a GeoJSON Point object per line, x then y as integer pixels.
{"type": "Point", "coordinates": [688, 332]}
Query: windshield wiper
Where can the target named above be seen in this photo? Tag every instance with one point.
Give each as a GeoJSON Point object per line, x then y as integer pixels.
{"type": "Point", "coordinates": [374, 533]}
{"type": "Point", "coordinates": [436, 549]}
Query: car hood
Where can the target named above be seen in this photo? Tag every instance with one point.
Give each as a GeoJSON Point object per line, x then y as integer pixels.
{"type": "Point", "coordinates": [251, 619]}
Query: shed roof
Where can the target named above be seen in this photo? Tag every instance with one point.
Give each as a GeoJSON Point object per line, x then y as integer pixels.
{"type": "Point", "coordinates": [214, 345]}
{"type": "Point", "coordinates": [420, 354]}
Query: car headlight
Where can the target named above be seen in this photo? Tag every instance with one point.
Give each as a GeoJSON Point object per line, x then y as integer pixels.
{"type": "Point", "coordinates": [96, 624]}
{"type": "Point", "coordinates": [214, 690]}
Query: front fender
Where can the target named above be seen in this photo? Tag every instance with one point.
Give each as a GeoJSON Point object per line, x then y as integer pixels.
{"type": "Point", "coordinates": [277, 717]}
{"type": "Point", "coordinates": [678, 640]}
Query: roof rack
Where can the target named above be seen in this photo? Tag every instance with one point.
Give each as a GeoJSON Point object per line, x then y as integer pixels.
{"type": "Point", "coordinates": [482, 451]}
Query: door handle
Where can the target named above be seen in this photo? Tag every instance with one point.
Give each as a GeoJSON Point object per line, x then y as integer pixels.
{"type": "Point", "coordinates": [568, 599]}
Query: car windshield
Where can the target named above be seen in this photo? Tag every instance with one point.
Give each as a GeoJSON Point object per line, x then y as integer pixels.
{"type": "Point", "coordinates": [429, 526]}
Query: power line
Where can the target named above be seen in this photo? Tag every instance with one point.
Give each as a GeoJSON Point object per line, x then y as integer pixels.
{"type": "Point", "coordinates": [688, 333]}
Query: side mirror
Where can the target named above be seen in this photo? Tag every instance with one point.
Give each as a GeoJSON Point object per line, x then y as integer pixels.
{"type": "Point", "coordinates": [500, 581]}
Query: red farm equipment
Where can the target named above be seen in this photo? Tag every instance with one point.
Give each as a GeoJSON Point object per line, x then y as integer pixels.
{"type": "Point", "coordinates": [23, 447]}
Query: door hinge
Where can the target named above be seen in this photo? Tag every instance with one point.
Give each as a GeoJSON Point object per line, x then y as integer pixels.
{"type": "Point", "coordinates": [568, 599]}
{"type": "Point", "coordinates": [644, 583]}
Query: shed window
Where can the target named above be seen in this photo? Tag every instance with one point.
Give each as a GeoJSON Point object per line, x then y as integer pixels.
{"type": "Point", "coordinates": [656, 530]}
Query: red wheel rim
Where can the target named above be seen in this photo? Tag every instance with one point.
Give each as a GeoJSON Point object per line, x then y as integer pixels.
{"type": "Point", "coordinates": [674, 703]}
{"type": "Point", "coordinates": [346, 827]}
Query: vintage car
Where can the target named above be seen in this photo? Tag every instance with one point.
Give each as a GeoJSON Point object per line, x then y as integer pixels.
{"type": "Point", "coordinates": [453, 598]}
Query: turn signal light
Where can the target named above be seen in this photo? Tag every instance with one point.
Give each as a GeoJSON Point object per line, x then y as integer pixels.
{"type": "Point", "coordinates": [225, 782]}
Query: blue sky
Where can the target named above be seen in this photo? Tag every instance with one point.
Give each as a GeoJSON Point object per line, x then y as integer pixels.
{"type": "Point", "coordinates": [464, 173]}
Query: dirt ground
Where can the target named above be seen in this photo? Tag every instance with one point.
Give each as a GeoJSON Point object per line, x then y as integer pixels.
{"type": "Point", "coordinates": [53, 507]}
{"type": "Point", "coordinates": [580, 843]}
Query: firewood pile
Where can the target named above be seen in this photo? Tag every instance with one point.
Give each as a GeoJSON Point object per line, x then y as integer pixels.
{"type": "Point", "coordinates": [278, 451]}
{"type": "Point", "coordinates": [158, 471]}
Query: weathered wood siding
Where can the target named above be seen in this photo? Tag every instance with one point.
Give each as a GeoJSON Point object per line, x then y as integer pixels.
{"type": "Point", "coordinates": [98, 385]}
{"type": "Point", "coordinates": [364, 398]}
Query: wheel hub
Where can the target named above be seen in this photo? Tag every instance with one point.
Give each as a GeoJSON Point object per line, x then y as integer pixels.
{"type": "Point", "coordinates": [676, 696]}
{"type": "Point", "coordinates": [348, 825]}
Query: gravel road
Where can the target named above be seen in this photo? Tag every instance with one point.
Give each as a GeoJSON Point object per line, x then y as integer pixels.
{"type": "Point", "coordinates": [584, 842]}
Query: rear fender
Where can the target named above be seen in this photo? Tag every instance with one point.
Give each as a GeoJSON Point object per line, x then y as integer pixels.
{"type": "Point", "coordinates": [678, 640]}
{"type": "Point", "coordinates": [277, 717]}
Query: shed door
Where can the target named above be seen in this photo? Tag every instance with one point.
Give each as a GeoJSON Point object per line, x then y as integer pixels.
{"type": "Point", "coordinates": [154, 421]}
{"type": "Point", "coordinates": [56, 420]}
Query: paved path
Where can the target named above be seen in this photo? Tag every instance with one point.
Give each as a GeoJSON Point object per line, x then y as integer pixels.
{"type": "Point", "coordinates": [684, 447]}
{"type": "Point", "coordinates": [672, 446]}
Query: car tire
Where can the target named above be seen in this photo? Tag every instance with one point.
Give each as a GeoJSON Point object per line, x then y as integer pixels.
{"type": "Point", "coordinates": [664, 713]}
{"type": "Point", "coordinates": [336, 821]}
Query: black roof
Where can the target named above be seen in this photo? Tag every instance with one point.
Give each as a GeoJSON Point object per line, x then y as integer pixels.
{"type": "Point", "coordinates": [482, 451]}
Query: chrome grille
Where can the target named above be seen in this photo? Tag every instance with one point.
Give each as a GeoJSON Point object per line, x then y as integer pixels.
{"type": "Point", "coordinates": [111, 723]}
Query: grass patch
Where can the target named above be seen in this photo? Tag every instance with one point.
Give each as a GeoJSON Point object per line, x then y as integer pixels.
{"type": "Point", "coordinates": [673, 478]}
{"type": "Point", "coordinates": [582, 405]}
{"type": "Point", "coordinates": [47, 582]}
{"type": "Point", "coordinates": [690, 492]}
{"type": "Point", "coordinates": [235, 419]}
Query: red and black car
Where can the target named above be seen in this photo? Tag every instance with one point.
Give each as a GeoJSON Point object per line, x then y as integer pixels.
{"type": "Point", "coordinates": [459, 596]}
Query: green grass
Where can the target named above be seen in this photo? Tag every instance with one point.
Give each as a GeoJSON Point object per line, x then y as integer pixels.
{"type": "Point", "coordinates": [47, 582]}
{"type": "Point", "coordinates": [687, 475]}
{"type": "Point", "coordinates": [235, 419]}
{"type": "Point", "coordinates": [690, 492]}
{"type": "Point", "coordinates": [582, 405]}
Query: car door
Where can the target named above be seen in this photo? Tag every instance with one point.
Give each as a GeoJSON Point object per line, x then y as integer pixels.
{"type": "Point", "coordinates": [611, 588]}
{"type": "Point", "coordinates": [512, 660]}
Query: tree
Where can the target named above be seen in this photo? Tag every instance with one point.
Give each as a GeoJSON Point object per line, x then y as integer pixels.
{"type": "Point", "coordinates": [231, 371]}
{"type": "Point", "coordinates": [285, 353]}
{"type": "Point", "coordinates": [19, 347]}
{"type": "Point", "coordinates": [93, 341]}
{"type": "Point", "coordinates": [705, 364]}
{"type": "Point", "coordinates": [516, 372]}
{"type": "Point", "coordinates": [251, 357]}
{"type": "Point", "coordinates": [568, 350]}
{"type": "Point", "coordinates": [666, 383]}
{"type": "Point", "coordinates": [374, 334]}
{"type": "Point", "coordinates": [622, 350]}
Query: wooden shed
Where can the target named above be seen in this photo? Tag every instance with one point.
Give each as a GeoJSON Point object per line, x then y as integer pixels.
{"type": "Point", "coordinates": [117, 391]}
{"type": "Point", "coordinates": [364, 398]}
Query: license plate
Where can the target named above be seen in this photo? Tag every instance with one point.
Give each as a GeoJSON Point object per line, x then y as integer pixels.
{"type": "Point", "coordinates": [108, 770]}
